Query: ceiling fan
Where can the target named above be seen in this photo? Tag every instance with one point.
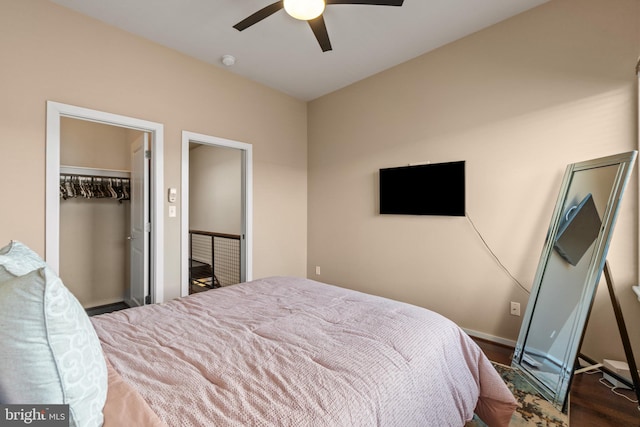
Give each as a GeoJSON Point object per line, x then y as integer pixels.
{"type": "Point", "coordinates": [310, 11]}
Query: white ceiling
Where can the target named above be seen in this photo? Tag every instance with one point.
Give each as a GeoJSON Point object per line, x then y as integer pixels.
{"type": "Point", "coordinates": [283, 53]}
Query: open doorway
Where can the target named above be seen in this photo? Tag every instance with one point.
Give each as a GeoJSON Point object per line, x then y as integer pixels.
{"type": "Point", "coordinates": [98, 258]}
{"type": "Point", "coordinates": [145, 138]}
{"type": "Point", "coordinates": [216, 212]}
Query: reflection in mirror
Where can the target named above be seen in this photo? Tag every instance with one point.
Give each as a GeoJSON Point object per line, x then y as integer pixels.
{"type": "Point", "coordinates": [569, 271]}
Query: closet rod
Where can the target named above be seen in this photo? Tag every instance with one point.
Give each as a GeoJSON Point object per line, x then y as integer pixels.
{"type": "Point", "coordinates": [106, 173]}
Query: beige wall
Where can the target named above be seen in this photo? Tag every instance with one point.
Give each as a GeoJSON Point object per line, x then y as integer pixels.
{"type": "Point", "coordinates": [52, 53]}
{"type": "Point", "coordinates": [95, 145]}
{"type": "Point", "coordinates": [215, 189]}
{"type": "Point", "coordinates": [518, 101]}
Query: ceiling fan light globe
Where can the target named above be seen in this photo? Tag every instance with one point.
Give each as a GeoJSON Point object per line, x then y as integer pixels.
{"type": "Point", "coordinates": [304, 10]}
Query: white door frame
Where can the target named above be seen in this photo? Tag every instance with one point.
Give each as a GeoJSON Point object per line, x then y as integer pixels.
{"type": "Point", "coordinates": [247, 202]}
{"type": "Point", "coordinates": [55, 111]}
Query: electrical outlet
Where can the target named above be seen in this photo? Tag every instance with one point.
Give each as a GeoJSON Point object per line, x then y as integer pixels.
{"type": "Point", "coordinates": [515, 308]}
{"type": "Point", "coordinates": [317, 270]}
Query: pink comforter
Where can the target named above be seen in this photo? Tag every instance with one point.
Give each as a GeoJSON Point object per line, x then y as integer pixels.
{"type": "Point", "coordinates": [294, 352]}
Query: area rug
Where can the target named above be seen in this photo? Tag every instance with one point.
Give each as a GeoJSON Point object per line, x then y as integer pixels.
{"type": "Point", "coordinates": [532, 409]}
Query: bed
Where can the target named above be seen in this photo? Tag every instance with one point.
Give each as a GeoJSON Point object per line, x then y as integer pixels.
{"type": "Point", "coordinates": [286, 351]}
{"type": "Point", "coordinates": [278, 351]}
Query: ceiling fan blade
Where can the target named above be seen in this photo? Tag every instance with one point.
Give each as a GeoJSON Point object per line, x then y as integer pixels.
{"type": "Point", "coordinates": [369, 2]}
{"type": "Point", "coordinates": [263, 13]}
{"type": "Point", "coordinates": [320, 31]}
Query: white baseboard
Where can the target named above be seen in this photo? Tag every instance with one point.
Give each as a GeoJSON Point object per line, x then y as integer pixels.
{"type": "Point", "coordinates": [492, 338]}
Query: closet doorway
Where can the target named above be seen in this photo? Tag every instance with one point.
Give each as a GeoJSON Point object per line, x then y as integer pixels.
{"type": "Point", "coordinates": [104, 223]}
{"type": "Point", "coordinates": [216, 212]}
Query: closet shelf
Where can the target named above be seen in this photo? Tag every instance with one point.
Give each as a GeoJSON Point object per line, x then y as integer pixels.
{"type": "Point", "coordinates": [97, 172]}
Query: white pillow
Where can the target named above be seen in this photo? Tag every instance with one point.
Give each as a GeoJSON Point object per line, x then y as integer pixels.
{"type": "Point", "coordinates": [18, 259]}
{"type": "Point", "coordinates": [49, 350]}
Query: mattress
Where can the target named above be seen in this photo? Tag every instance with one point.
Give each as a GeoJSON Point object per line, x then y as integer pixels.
{"type": "Point", "coordinates": [286, 351]}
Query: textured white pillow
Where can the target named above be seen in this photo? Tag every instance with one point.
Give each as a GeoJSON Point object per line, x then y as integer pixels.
{"type": "Point", "coordinates": [49, 350]}
{"type": "Point", "coordinates": [18, 259]}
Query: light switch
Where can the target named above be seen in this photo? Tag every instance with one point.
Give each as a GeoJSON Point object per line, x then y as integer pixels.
{"type": "Point", "coordinates": [172, 211]}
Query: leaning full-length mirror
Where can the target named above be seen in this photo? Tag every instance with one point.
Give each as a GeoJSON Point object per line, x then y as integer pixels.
{"type": "Point", "coordinates": [568, 273]}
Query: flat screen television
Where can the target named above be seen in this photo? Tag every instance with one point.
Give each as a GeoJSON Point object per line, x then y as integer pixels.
{"type": "Point", "coordinates": [577, 232]}
{"type": "Point", "coordinates": [429, 189]}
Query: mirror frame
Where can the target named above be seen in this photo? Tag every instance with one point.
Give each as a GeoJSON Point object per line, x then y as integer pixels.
{"type": "Point", "coordinates": [559, 396]}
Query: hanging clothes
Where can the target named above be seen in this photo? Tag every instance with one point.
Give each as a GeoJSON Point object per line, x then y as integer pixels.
{"type": "Point", "coordinates": [94, 187]}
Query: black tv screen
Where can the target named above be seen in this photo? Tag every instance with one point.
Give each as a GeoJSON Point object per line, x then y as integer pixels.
{"type": "Point", "coordinates": [577, 232]}
{"type": "Point", "coordinates": [430, 189]}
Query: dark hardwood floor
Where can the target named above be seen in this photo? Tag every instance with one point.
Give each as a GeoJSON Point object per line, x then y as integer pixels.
{"type": "Point", "coordinates": [108, 308]}
{"type": "Point", "coordinates": [591, 403]}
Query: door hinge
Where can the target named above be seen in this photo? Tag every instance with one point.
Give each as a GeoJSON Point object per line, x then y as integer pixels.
{"type": "Point", "coordinates": [147, 154]}
{"type": "Point", "coordinates": [147, 227]}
